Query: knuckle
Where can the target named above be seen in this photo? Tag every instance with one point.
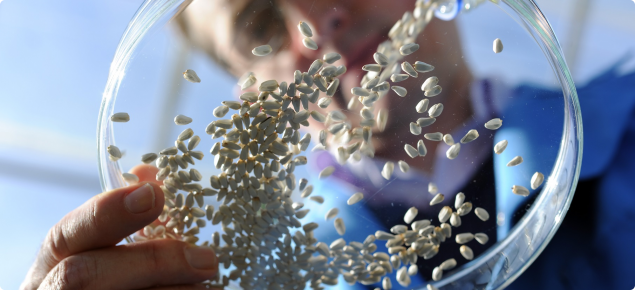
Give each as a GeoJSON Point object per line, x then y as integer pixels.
{"type": "Point", "coordinates": [75, 272]}
{"type": "Point", "coordinates": [56, 244]}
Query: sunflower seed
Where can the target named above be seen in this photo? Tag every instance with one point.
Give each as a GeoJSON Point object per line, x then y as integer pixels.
{"type": "Point", "coordinates": [423, 67]}
{"type": "Point", "coordinates": [415, 129]}
{"type": "Point", "coordinates": [339, 226]}
{"type": "Point", "coordinates": [331, 213]}
{"type": "Point", "coordinates": [326, 172]}
{"type": "Point", "coordinates": [410, 215]}
{"type": "Point", "coordinates": [407, 68]}
{"type": "Point", "coordinates": [182, 120]}
{"type": "Point", "coordinates": [268, 86]}
{"type": "Point", "coordinates": [411, 151]}
{"type": "Point", "coordinates": [515, 161]}
{"type": "Point", "coordinates": [372, 67]}
{"type": "Point", "coordinates": [383, 236]}
{"type": "Point", "coordinates": [447, 139]}
{"type": "Point", "coordinates": [433, 91]}
{"type": "Point", "coordinates": [305, 29]}
{"type": "Point", "coordinates": [494, 124]}
{"type": "Point", "coordinates": [458, 200]}
{"type": "Point", "coordinates": [481, 213]}
{"type": "Point", "coordinates": [437, 274]}
{"type": "Point", "coordinates": [190, 76]}
{"type": "Point", "coordinates": [464, 238]}
{"type": "Point", "coordinates": [448, 264]}
{"type": "Point", "coordinates": [498, 45]}
{"type": "Point", "coordinates": [120, 117]}
{"type": "Point", "coordinates": [386, 284]}
{"type": "Point", "coordinates": [432, 188]}
{"type": "Point", "coordinates": [380, 58]}
{"type": "Point", "coordinates": [130, 178]}
{"type": "Point", "coordinates": [309, 43]}
{"type": "Point", "coordinates": [114, 152]}
{"type": "Point", "coordinates": [429, 83]}
{"type": "Point", "coordinates": [148, 158]}
{"type": "Point", "coordinates": [536, 180]}
{"type": "Point", "coordinates": [386, 172]}
{"type": "Point", "coordinates": [403, 166]}
{"type": "Point", "coordinates": [408, 48]}
{"type": "Point", "coordinates": [455, 220]}
{"type": "Point", "coordinates": [481, 238]}
{"type": "Point", "coordinates": [330, 90]}
{"type": "Point", "coordinates": [422, 106]}
{"type": "Point", "coordinates": [438, 198]}
{"type": "Point", "coordinates": [400, 91]}
{"type": "Point", "coordinates": [430, 287]}
{"type": "Point", "coordinates": [382, 119]}
{"type": "Point", "coordinates": [331, 57]}
{"type": "Point", "coordinates": [425, 122]}
{"type": "Point", "coordinates": [262, 50]}
{"type": "Point", "coordinates": [315, 67]}
{"type": "Point", "coordinates": [248, 82]}
{"type": "Point", "coordinates": [445, 213]}
{"type": "Point", "coordinates": [355, 198]}
{"type": "Point", "coordinates": [520, 190]}
{"type": "Point", "coordinates": [395, 78]}
{"type": "Point", "coordinates": [220, 111]}
{"type": "Point", "coordinates": [500, 147]}
{"type": "Point", "coordinates": [453, 152]}
{"type": "Point", "coordinates": [437, 136]}
{"type": "Point", "coordinates": [466, 252]}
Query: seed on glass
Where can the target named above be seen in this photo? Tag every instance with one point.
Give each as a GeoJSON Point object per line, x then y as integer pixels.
{"type": "Point", "coordinates": [190, 76]}
{"type": "Point", "coordinates": [453, 151]}
{"type": "Point", "coordinates": [305, 29]}
{"type": "Point", "coordinates": [500, 147]}
{"type": "Point", "coordinates": [498, 45]}
{"type": "Point", "coordinates": [422, 106]}
{"type": "Point", "coordinates": [120, 117]}
{"type": "Point", "coordinates": [433, 91]}
{"type": "Point", "coordinates": [445, 213]}
{"type": "Point", "coordinates": [432, 188]}
{"type": "Point", "coordinates": [331, 57]}
{"type": "Point", "coordinates": [249, 81]}
{"type": "Point", "coordinates": [437, 199]}
{"type": "Point", "coordinates": [339, 226]}
{"type": "Point", "coordinates": [536, 180]}
{"type": "Point", "coordinates": [355, 198]}
{"type": "Point", "coordinates": [466, 252]}
{"type": "Point", "coordinates": [411, 151]}
{"type": "Point", "coordinates": [481, 213]}
{"type": "Point", "coordinates": [400, 91]}
{"type": "Point", "coordinates": [114, 152]}
{"type": "Point", "coordinates": [409, 48]}
{"type": "Point", "coordinates": [326, 172]}
{"type": "Point", "coordinates": [447, 138]}
{"type": "Point", "coordinates": [410, 215]}
{"type": "Point", "coordinates": [437, 136]}
{"type": "Point", "coordinates": [403, 166]}
{"type": "Point", "coordinates": [220, 111]}
{"type": "Point", "coordinates": [458, 200]}
{"type": "Point", "coordinates": [481, 238]}
{"type": "Point", "coordinates": [429, 83]}
{"type": "Point", "coordinates": [130, 178]}
{"type": "Point", "coordinates": [520, 190]}
{"type": "Point", "coordinates": [494, 124]}
{"type": "Point", "coordinates": [437, 274]}
{"type": "Point", "coordinates": [371, 67]}
{"type": "Point", "coordinates": [423, 67]}
{"type": "Point", "coordinates": [395, 78]}
{"type": "Point", "coordinates": [448, 264]}
{"type": "Point", "coordinates": [262, 50]}
{"type": "Point", "coordinates": [407, 68]}
{"type": "Point", "coordinates": [515, 161]}
{"type": "Point", "coordinates": [148, 158]}
{"type": "Point", "coordinates": [455, 220]}
{"type": "Point", "coordinates": [331, 213]}
{"type": "Point", "coordinates": [386, 172]}
{"type": "Point", "coordinates": [182, 120]}
{"type": "Point", "coordinates": [415, 129]}
{"type": "Point", "coordinates": [464, 238]}
{"type": "Point", "coordinates": [309, 43]}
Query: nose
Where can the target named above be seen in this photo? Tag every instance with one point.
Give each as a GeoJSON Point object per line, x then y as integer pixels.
{"type": "Point", "coordinates": [328, 18]}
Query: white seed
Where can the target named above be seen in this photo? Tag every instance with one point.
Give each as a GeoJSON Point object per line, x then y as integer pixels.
{"type": "Point", "coordinates": [453, 152]}
{"type": "Point", "coordinates": [262, 50]}
{"type": "Point", "coordinates": [182, 120]}
{"type": "Point", "coordinates": [430, 287]}
{"type": "Point", "coordinates": [331, 213]}
{"type": "Point", "coordinates": [383, 236]}
{"type": "Point", "coordinates": [515, 161]}
{"type": "Point", "coordinates": [481, 213]}
{"type": "Point", "coordinates": [358, 91]}
{"type": "Point", "coordinates": [130, 178]}
{"type": "Point", "coordinates": [494, 124]}
{"type": "Point", "coordinates": [355, 198]}
{"type": "Point", "coordinates": [120, 117]}
{"type": "Point", "coordinates": [403, 166]}
{"type": "Point", "coordinates": [464, 238]}
{"type": "Point", "coordinates": [366, 113]}
{"type": "Point", "coordinates": [249, 81]}
{"type": "Point", "coordinates": [447, 138]}
{"type": "Point", "coordinates": [437, 199]}
{"type": "Point", "coordinates": [498, 45]}
{"type": "Point", "coordinates": [331, 57]}
{"type": "Point", "coordinates": [340, 227]}
{"type": "Point", "coordinates": [305, 29]}
{"type": "Point", "coordinates": [220, 111]}
{"type": "Point", "coordinates": [458, 200]}
{"type": "Point", "coordinates": [422, 106]}
{"type": "Point", "coordinates": [466, 252]}
{"type": "Point", "coordinates": [317, 199]}
{"type": "Point", "coordinates": [429, 83]}
{"type": "Point", "coordinates": [386, 284]}
{"type": "Point", "coordinates": [469, 136]}
{"type": "Point", "coordinates": [437, 274]}
{"type": "Point", "coordinates": [425, 122]}
{"type": "Point", "coordinates": [409, 48]}
{"type": "Point", "coordinates": [481, 238]}
{"type": "Point", "coordinates": [148, 158]}
{"type": "Point", "coordinates": [309, 43]}
{"type": "Point", "coordinates": [455, 220]}
{"type": "Point", "coordinates": [437, 136]}
{"type": "Point", "coordinates": [421, 148]}
{"type": "Point", "coordinates": [332, 88]}
{"type": "Point", "coordinates": [115, 153]}
{"type": "Point", "coordinates": [407, 68]}
{"type": "Point", "coordinates": [413, 270]}
{"type": "Point", "coordinates": [448, 264]}
{"type": "Point", "coordinates": [536, 180]}
{"type": "Point", "coordinates": [423, 67]}
{"type": "Point", "coordinates": [380, 59]}
{"type": "Point", "coordinates": [268, 86]}
{"type": "Point", "coordinates": [318, 116]}
{"type": "Point", "coordinates": [465, 208]}
{"type": "Point", "coordinates": [415, 129]}
{"type": "Point", "coordinates": [434, 91]}
{"type": "Point", "coordinates": [411, 151]}
{"type": "Point", "coordinates": [382, 119]}
{"type": "Point", "coordinates": [400, 91]}
{"type": "Point", "coordinates": [520, 190]}
{"type": "Point", "coordinates": [410, 215]}
{"type": "Point", "coordinates": [386, 172]}
{"type": "Point", "coordinates": [326, 172]}
{"type": "Point", "coordinates": [372, 67]}
{"type": "Point", "coordinates": [435, 110]}
{"type": "Point", "coordinates": [395, 78]}
{"type": "Point", "coordinates": [445, 213]}
{"type": "Point", "coordinates": [324, 102]}
{"type": "Point", "coordinates": [432, 188]}
{"type": "Point", "coordinates": [500, 147]}
{"type": "Point", "coordinates": [191, 76]}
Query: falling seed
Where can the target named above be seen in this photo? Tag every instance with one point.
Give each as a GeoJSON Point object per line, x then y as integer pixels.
{"type": "Point", "coordinates": [448, 264]}
{"type": "Point", "coordinates": [415, 129]}
{"type": "Point", "coordinates": [447, 139]}
{"type": "Point", "coordinates": [445, 213]}
{"type": "Point", "coordinates": [520, 190]}
{"type": "Point", "coordinates": [386, 284]}
{"type": "Point", "coordinates": [249, 81]}
{"type": "Point", "coordinates": [458, 200]}
{"type": "Point", "coordinates": [437, 136]}
{"type": "Point", "coordinates": [386, 172]}
{"type": "Point", "coordinates": [407, 68]}
{"type": "Point", "coordinates": [190, 76]}
{"type": "Point", "coordinates": [429, 83]}
{"type": "Point", "coordinates": [382, 119]}
{"type": "Point", "coordinates": [309, 43]}
{"type": "Point", "coordinates": [372, 67]}
{"type": "Point", "coordinates": [453, 152]}
{"type": "Point", "coordinates": [400, 91]}
{"type": "Point", "coordinates": [515, 161]}
{"type": "Point", "coordinates": [148, 158]}
{"type": "Point", "coordinates": [355, 198]}
{"type": "Point", "coordinates": [120, 117]}
{"type": "Point", "coordinates": [432, 188]}
{"type": "Point", "coordinates": [498, 45]}
{"type": "Point", "coordinates": [465, 208]}
{"type": "Point", "coordinates": [410, 215]}
{"type": "Point", "coordinates": [430, 287]}
{"type": "Point", "coordinates": [305, 29]}
{"type": "Point", "coordinates": [408, 48]}
{"type": "Point", "coordinates": [425, 122]}
{"type": "Point", "coordinates": [438, 198]}
{"type": "Point", "coordinates": [469, 136]}
{"type": "Point", "coordinates": [331, 57]}
{"type": "Point", "coordinates": [481, 238]}
{"type": "Point", "coordinates": [403, 166]}
{"type": "Point", "coordinates": [455, 220]}
{"type": "Point", "coordinates": [437, 274]}
{"type": "Point", "coordinates": [464, 238]}
{"type": "Point", "coordinates": [536, 180]}
{"type": "Point", "coordinates": [423, 67]}
{"type": "Point", "coordinates": [220, 111]}
{"type": "Point", "coordinates": [421, 148]}
{"type": "Point", "coordinates": [411, 151]}
{"type": "Point", "coordinates": [339, 226]}
{"type": "Point", "coordinates": [422, 106]}
{"type": "Point", "coordinates": [466, 252]}
{"type": "Point", "coordinates": [326, 172]}
{"type": "Point", "coordinates": [262, 50]}
{"type": "Point", "coordinates": [434, 91]}
{"type": "Point", "coordinates": [395, 78]}
{"type": "Point", "coordinates": [331, 213]}
{"type": "Point", "coordinates": [317, 199]}
{"type": "Point", "coordinates": [130, 178]}
{"type": "Point", "coordinates": [115, 153]}
{"type": "Point", "coordinates": [435, 110]}
{"type": "Point", "coordinates": [182, 120]}
{"type": "Point", "coordinates": [500, 147]}
{"type": "Point", "coordinates": [481, 213]}
{"type": "Point", "coordinates": [380, 59]}
{"type": "Point", "coordinates": [494, 124]}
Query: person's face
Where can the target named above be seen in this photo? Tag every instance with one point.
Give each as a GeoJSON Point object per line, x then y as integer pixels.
{"type": "Point", "coordinates": [352, 28]}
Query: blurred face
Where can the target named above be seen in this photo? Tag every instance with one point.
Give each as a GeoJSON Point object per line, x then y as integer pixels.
{"type": "Point", "coordinates": [353, 28]}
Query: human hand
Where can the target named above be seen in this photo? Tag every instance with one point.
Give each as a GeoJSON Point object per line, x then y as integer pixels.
{"type": "Point", "coordinates": [81, 252]}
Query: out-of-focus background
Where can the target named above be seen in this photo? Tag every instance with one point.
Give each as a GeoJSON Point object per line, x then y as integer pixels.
{"type": "Point", "coordinates": [54, 61]}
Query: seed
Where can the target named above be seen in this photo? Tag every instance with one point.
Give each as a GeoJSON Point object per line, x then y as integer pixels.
{"type": "Point", "coordinates": [383, 236]}
{"type": "Point", "coordinates": [429, 83]}
{"type": "Point", "coordinates": [425, 122]}
{"type": "Point", "coordinates": [360, 92]}
{"type": "Point", "coordinates": [536, 180]}
{"type": "Point", "coordinates": [366, 113]}
{"type": "Point", "coordinates": [382, 119]}
{"type": "Point", "coordinates": [326, 172]}
{"type": "Point", "coordinates": [433, 92]}
{"type": "Point", "coordinates": [372, 67]}
{"type": "Point", "coordinates": [422, 106]}
{"type": "Point", "coordinates": [268, 86]}
{"type": "Point", "coordinates": [515, 161]}
{"type": "Point", "coordinates": [355, 198]}
{"type": "Point", "coordinates": [383, 86]}
{"type": "Point", "coordinates": [120, 117]}
{"type": "Point", "coordinates": [262, 50]}
{"type": "Point", "coordinates": [432, 188]}
{"type": "Point", "coordinates": [494, 124]}
{"type": "Point", "coordinates": [407, 68]}
{"type": "Point", "coordinates": [403, 166]}
{"type": "Point", "coordinates": [464, 238]}
{"type": "Point", "coordinates": [453, 152]}
{"type": "Point", "coordinates": [498, 45]}
{"type": "Point", "coordinates": [380, 58]}
{"type": "Point", "coordinates": [324, 102]}
{"type": "Point", "coordinates": [421, 148]}
{"type": "Point", "coordinates": [520, 190]}
{"type": "Point", "coordinates": [410, 215]}
{"type": "Point", "coordinates": [447, 138]}
{"type": "Point", "coordinates": [423, 67]}
{"type": "Point", "coordinates": [317, 199]}
{"type": "Point", "coordinates": [437, 274]}
{"type": "Point", "coordinates": [249, 81]}
{"type": "Point", "coordinates": [481, 213]}
{"type": "Point", "coordinates": [386, 172]}
{"type": "Point", "coordinates": [148, 158]}
{"type": "Point", "coordinates": [430, 287]}
{"type": "Point", "coordinates": [408, 48]}
{"type": "Point", "coordinates": [309, 43]}
{"type": "Point", "coordinates": [437, 136]}
{"type": "Point", "coordinates": [220, 111]}
{"type": "Point", "coordinates": [466, 252]}
{"type": "Point", "coordinates": [500, 147]}
{"type": "Point", "coordinates": [190, 76]}
{"type": "Point", "coordinates": [386, 284]}
{"type": "Point", "coordinates": [330, 90]}
{"type": "Point", "coordinates": [130, 178]}
{"type": "Point", "coordinates": [400, 91]}
{"type": "Point", "coordinates": [411, 151]}
{"type": "Point", "coordinates": [305, 29]}
{"type": "Point", "coordinates": [395, 78]}
{"type": "Point", "coordinates": [182, 120]}
{"type": "Point", "coordinates": [435, 110]}
{"type": "Point", "coordinates": [469, 136]}
{"type": "Point", "coordinates": [331, 57]}
{"type": "Point", "coordinates": [455, 220]}
{"type": "Point", "coordinates": [114, 152]}
{"type": "Point", "coordinates": [415, 129]}
{"type": "Point", "coordinates": [438, 198]}
{"type": "Point", "coordinates": [316, 65]}
{"type": "Point", "coordinates": [458, 200]}
{"type": "Point", "coordinates": [481, 238]}
{"type": "Point", "coordinates": [331, 213]}
{"type": "Point", "coordinates": [445, 213]}
{"type": "Point", "coordinates": [339, 226]}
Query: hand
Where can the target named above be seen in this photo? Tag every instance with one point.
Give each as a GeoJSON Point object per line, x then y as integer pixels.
{"type": "Point", "coordinates": [80, 251]}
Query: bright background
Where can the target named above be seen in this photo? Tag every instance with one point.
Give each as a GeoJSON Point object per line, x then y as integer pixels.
{"type": "Point", "coordinates": [54, 60]}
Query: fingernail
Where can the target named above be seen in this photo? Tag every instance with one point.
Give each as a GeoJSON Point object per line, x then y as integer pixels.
{"type": "Point", "coordinates": [140, 200]}
{"type": "Point", "coordinates": [202, 258]}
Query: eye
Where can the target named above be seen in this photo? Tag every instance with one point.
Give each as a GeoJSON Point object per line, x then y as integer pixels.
{"type": "Point", "coordinates": [260, 22]}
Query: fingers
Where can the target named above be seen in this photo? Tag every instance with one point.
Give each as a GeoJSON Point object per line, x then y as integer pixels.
{"type": "Point", "coordinates": [135, 266]}
{"type": "Point", "coordinates": [102, 221]}
{"type": "Point", "coordinates": [146, 173]}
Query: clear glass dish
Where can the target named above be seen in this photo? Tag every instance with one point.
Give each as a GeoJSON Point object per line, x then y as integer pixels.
{"type": "Point", "coordinates": [143, 59]}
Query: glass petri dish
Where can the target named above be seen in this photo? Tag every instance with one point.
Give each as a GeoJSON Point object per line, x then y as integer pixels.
{"type": "Point", "coordinates": [145, 80]}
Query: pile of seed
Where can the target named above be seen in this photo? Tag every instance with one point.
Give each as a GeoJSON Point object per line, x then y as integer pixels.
{"type": "Point", "coordinates": [263, 239]}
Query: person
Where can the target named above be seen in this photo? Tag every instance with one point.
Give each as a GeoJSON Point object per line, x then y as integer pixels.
{"type": "Point", "coordinates": [80, 251]}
